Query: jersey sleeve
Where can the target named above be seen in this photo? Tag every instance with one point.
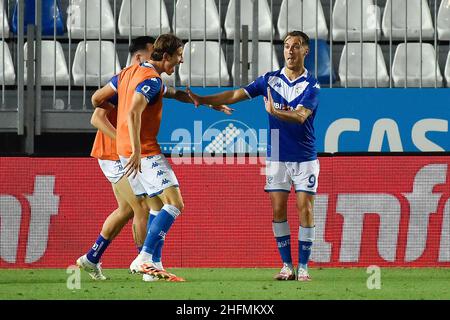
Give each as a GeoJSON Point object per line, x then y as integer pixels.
{"type": "Point", "coordinates": [256, 88]}
{"type": "Point", "coordinates": [114, 100]}
{"type": "Point", "coordinates": [114, 82]}
{"type": "Point", "coordinates": [150, 89]}
{"type": "Point", "coordinates": [310, 99]}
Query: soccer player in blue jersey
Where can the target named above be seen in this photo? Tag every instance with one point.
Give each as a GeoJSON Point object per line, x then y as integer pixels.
{"type": "Point", "coordinates": [291, 100]}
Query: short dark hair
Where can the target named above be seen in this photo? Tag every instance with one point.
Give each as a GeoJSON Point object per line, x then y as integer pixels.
{"type": "Point", "coordinates": [140, 43]}
{"type": "Point", "coordinates": [299, 34]}
{"type": "Point", "coordinates": [165, 43]}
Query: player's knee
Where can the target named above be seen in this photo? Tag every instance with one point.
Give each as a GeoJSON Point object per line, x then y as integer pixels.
{"type": "Point", "coordinates": [179, 204]}
{"type": "Point", "coordinates": [279, 207]}
{"type": "Point", "coordinates": [279, 213]}
{"type": "Point", "coordinates": [176, 202]}
{"type": "Point", "coordinates": [144, 205]}
{"type": "Point", "coordinates": [305, 208]}
{"type": "Point", "coordinates": [125, 213]}
{"type": "Point", "coordinates": [306, 212]}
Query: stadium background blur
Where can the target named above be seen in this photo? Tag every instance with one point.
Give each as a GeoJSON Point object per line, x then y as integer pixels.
{"type": "Point", "coordinates": [382, 129]}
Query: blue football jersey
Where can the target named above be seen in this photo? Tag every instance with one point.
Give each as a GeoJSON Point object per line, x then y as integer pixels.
{"type": "Point", "coordinates": [151, 88]}
{"type": "Point", "coordinates": [114, 100]}
{"type": "Point", "coordinates": [296, 141]}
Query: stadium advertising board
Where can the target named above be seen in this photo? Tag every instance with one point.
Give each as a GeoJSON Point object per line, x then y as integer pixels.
{"type": "Point", "coordinates": [348, 120]}
{"type": "Point", "coordinates": [382, 210]}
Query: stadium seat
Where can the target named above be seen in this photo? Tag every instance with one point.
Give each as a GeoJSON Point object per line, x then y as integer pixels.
{"type": "Point", "coordinates": [4, 26]}
{"type": "Point", "coordinates": [264, 60]}
{"type": "Point", "coordinates": [412, 53]}
{"type": "Point", "coordinates": [108, 69]}
{"type": "Point", "coordinates": [264, 19]}
{"type": "Point", "coordinates": [302, 10]}
{"type": "Point", "coordinates": [76, 22]}
{"type": "Point", "coordinates": [7, 75]}
{"type": "Point", "coordinates": [352, 79]}
{"type": "Point", "coordinates": [197, 19]}
{"type": "Point", "coordinates": [48, 17]}
{"type": "Point", "coordinates": [138, 25]}
{"type": "Point", "coordinates": [413, 20]}
{"type": "Point", "coordinates": [48, 64]}
{"type": "Point", "coordinates": [199, 59]}
{"type": "Point", "coordinates": [443, 21]}
{"type": "Point", "coordinates": [370, 15]}
{"type": "Point", "coordinates": [324, 68]}
{"type": "Point", "coordinates": [447, 70]}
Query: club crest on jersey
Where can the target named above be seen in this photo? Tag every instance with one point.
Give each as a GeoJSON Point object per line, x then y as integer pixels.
{"type": "Point", "coordinates": [300, 87]}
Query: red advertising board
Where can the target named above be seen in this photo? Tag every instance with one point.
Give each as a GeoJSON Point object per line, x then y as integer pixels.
{"type": "Point", "coordinates": [381, 210]}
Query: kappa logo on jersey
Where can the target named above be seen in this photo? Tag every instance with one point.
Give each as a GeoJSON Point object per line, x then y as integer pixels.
{"type": "Point", "coordinates": [165, 181]}
{"type": "Point", "coordinates": [287, 92]}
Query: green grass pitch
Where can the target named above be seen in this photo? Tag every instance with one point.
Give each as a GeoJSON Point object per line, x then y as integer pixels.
{"type": "Point", "coordinates": [228, 284]}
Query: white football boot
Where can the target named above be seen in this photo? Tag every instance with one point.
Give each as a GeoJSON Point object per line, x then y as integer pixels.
{"type": "Point", "coordinates": [94, 270]}
{"type": "Point", "coordinates": [303, 275]}
{"type": "Point", "coordinates": [286, 273]}
{"type": "Point", "coordinates": [149, 277]}
{"type": "Point", "coordinates": [136, 265]}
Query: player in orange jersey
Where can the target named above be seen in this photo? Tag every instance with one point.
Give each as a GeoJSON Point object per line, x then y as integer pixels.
{"type": "Point", "coordinates": [104, 149]}
{"type": "Point", "coordinates": [140, 109]}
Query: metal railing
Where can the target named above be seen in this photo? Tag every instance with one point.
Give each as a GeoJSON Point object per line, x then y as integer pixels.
{"type": "Point", "coordinates": [69, 98]}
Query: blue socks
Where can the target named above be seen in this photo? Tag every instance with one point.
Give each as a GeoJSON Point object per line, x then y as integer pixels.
{"type": "Point", "coordinates": [306, 236]}
{"type": "Point", "coordinates": [282, 235]}
{"type": "Point", "coordinates": [159, 227]}
{"type": "Point", "coordinates": [95, 253]}
{"type": "Point", "coordinates": [305, 241]}
{"type": "Point", "coordinates": [157, 253]}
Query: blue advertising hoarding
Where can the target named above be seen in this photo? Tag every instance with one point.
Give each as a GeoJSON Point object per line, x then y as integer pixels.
{"type": "Point", "coordinates": [348, 120]}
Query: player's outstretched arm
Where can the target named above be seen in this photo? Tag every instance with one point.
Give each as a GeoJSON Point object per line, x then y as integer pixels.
{"type": "Point", "coordinates": [183, 96]}
{"type": "Point", "coordinates": [138, 104]}
{"type": "Point", "coordinates": [299, 115]}
{"type": "Point", "coordinates": [223, 98]}
{"type": "Point", "coordinates": [100, 120]}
